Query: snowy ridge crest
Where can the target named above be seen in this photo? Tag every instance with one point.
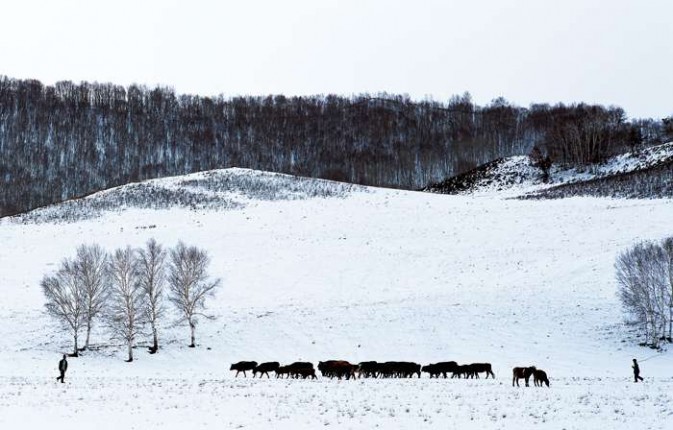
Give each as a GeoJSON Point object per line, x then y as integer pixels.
{"type": "Point", "coordinates": [222, 189]}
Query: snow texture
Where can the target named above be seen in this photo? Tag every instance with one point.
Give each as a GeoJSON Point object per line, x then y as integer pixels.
{"type": "Point", "coordinates": [371, 275]}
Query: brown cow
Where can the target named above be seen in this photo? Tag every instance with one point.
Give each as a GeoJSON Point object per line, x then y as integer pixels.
{"type": "Point", "coordinates": [522, 372]}
{"type": "Point", "coordinates": [338, 368]}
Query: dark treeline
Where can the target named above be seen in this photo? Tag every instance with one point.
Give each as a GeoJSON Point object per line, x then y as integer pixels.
{"type": "Point", "coordinates": [68, 140]}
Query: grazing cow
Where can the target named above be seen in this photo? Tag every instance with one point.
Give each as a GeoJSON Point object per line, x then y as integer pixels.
{"type": "Point", "coordinates": [475, 368]}
{"type": "Point", "coordinates": [441, 368]}
{"type": "Point", "coordinates": [522, 372]}
{"type": "Point", "coordinates": [243, 366]}
{"type": "Point", "coordinates": [265, 368]}
{"type": "Point", "coordinates": [540, 377]}
{"type": "Point", "coordinates": [367, 369]}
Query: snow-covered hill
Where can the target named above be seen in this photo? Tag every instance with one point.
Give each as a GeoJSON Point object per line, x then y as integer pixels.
{"type": "Point", "coordinates": [516, 176]}
{"type": "Point", "coordinates": [344, 273]}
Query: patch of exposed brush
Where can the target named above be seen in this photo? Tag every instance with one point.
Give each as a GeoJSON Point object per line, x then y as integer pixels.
{"type": "Point", "coordinates": [646, 183]}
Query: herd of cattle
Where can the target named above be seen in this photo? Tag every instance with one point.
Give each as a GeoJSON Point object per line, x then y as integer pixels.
{"type": "Point", "coordinates": [391, 369]}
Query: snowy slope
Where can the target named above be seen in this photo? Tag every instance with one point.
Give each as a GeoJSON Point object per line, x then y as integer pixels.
{"type": "Point", "coordinates": [515, 176]}
{"type": "Point", "coordinates": [365, 274]}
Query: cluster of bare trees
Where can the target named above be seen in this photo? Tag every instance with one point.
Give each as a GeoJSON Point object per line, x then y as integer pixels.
{"type": "Point", "coordinates": [128, 290]}
{"type": "Point", "coordinates": [66, 140]}
{"type": "Point", "coordinates": [645, 278]}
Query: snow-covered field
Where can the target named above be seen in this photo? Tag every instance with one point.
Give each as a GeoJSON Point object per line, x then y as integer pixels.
{"type": "Point", "coordinates": [375, 275]}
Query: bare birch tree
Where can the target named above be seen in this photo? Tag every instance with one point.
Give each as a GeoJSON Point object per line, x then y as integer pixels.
{"type": "Point", "coordinates": [152, 278]}
{"type": "Point", "coordinates": [667, 245]}
{"type": "Point", "coordinates": [126, 301]}
{"type": "Point", "coordinates": [91, 265]}
{"type": "Point", "coordinates": [190, 284]}
{"type": "Point", "coordinates": [66, 299]}
{"type": "Point", "coordinates": [643, 276]}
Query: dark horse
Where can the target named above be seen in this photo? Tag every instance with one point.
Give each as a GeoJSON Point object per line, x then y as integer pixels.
{"type": "Point", "coordinates": [540, 377]}
{"type": "Point", "coordinates": [522, 372]}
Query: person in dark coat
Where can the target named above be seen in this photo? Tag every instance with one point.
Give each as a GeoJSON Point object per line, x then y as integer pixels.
{"type": "Point", "coordinates": [62, 367]}
{"type": "Point", "coordinates": [636, 371]}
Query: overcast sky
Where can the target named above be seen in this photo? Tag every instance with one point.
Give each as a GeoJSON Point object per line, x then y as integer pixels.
{"type": "Point", "coordinates": [610, 52]}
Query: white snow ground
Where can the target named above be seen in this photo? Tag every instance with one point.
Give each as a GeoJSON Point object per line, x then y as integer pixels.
{"type": "Point", "coordinates": [378, 275]}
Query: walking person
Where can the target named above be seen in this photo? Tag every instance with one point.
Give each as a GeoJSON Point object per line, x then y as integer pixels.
{"type": "Point", "coordinates": [62, 367]}
{"type": "Point", "coordinates": [636, 371]}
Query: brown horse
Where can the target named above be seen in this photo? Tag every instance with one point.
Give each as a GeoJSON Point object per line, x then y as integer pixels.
{"type": "Point", "coordinates": [522, 373]}
{"type": "Point", "coordinates": [540, 377]}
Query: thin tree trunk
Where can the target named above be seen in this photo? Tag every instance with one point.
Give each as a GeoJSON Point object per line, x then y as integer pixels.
{"type": "Point", "coordinates": [193, 328]}
{"type": "Point", "coordinates": [88, 334]}
{"type": "Point", "coordinates": [75, 352]}
{"type": "Point", "coordinates": [155, 347]}
{"type": "Point", "coordinates": [130, 346]}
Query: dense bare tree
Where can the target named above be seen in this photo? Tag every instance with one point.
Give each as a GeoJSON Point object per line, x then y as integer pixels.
{"type": "Point", "coordinates": [541, 161]}
{"type": "Point", "coordinates": [190, 284]}
{"type": "Point", "coordinates": [644, 279]}
{"type": "Point", "coordinates": [152, 277]}
{"type": "Point", "coordinates": [667, 246]}
{"type": "Point", "coordinates": [65, 297]}
{"type": "Point", "coordinates": [91, 266]}
{"type": "Point", "coordinates": [125, 307]}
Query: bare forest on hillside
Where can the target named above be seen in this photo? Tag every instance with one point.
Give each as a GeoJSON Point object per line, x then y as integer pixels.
{"type": "Point", "coordinates": [68, 140]}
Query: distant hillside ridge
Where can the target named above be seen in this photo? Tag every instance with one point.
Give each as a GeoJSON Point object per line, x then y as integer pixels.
{"type": "Point", "coordinates": [219, 190]}
{"type": "Point", "coordinates": [647, 173]}
{"type": "Point", "coordinates": [67, 140]}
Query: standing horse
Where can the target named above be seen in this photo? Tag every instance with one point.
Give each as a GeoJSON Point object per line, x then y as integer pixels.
{"type": "Point", "coordinates": [522, 373]}
{"type": "Point", "coordinates": [540, 377]}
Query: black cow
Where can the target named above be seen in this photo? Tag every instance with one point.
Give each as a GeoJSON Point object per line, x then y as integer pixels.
{"type": "Point", "coordinates": [368, 369]}
{"type": "Point", "coordinates": [441, 368]}
{"type": "Point", "coordinates": [399, 369]}
{"type": "Point", "coordinates": [243, 366]}
{"type": "Point", "coordinates": [460, 371]}
{"type": "Point", "coordinates": [474, 369]}
{"type": "Point", "coordinates": [306, 372]}
{"type": "Point", "coordinates": [337, 368]}
{"type": "Point", "coordinates": [282, 370]}
{"type": "Point", "coordinates": [265, 368]}
{"type": "Point", "coordinates": [294, 369]}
